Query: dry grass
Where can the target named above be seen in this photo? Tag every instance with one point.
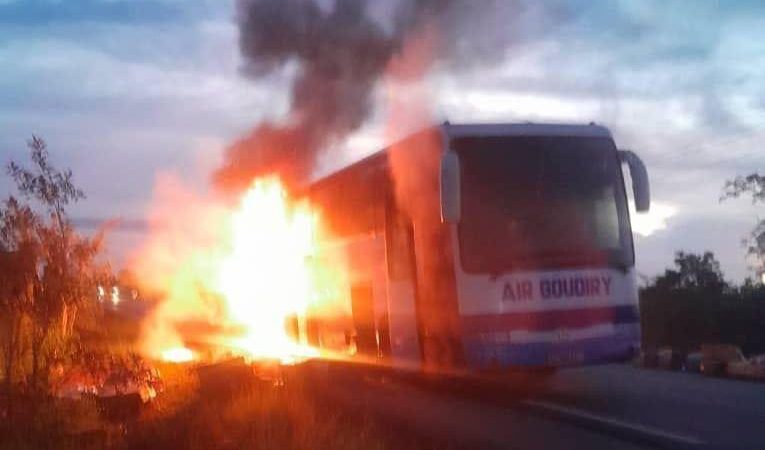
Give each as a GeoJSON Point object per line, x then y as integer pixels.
{"type": "Point", "coordinates": [59, 424]}
{"type": "Point", "coordinates": [255, 415]}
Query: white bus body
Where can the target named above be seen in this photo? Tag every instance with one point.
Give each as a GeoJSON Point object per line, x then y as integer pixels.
{"type": "Point", "coordinates": [484, 247]}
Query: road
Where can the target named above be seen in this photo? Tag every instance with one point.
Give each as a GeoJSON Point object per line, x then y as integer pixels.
{"type": "Point", "coordinates": [606, 407]}
{"type": "Point", "coordinates": [723, 413]}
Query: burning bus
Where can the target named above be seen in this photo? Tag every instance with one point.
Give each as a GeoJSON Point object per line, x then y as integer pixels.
{"type": "Point", "coordinates": [470, 248]}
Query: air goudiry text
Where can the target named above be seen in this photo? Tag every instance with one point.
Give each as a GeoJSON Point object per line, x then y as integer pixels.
{"type": "Point", "coordinates": [552, 288]}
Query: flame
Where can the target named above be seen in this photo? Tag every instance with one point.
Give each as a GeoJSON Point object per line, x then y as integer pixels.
{"type": "Point", "coordinates": [177, 355]}
{"type": "Point", "coordinates": [244, 272]}
{"type": "Point", "coordinates": [265, 278]}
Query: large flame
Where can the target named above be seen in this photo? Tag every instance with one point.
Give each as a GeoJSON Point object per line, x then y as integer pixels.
{"type": "Point", "coordinates": [236, 279]}
{"type": "Point", "coordinates": [265, 277]}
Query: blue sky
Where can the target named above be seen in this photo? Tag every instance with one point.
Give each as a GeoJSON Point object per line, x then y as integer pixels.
{"type": "Point", "coordinates": [126, 89]}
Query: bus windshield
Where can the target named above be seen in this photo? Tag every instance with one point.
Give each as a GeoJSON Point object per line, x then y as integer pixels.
{"type": "Point", "coordinates": [541, 202]}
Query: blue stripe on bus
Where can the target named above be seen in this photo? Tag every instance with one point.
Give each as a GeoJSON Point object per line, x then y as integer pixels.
{"type": "Point", "coordinates": [488, 355]}
{"type": "Point", "coordinates": [549, 319]}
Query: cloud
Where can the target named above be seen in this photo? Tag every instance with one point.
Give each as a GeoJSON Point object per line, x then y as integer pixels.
{"type": "Point", "coordinates": [128, 100]}
{"type": "Point", "coordinates": [647, 223]}
{"type": "Point", "coordinates": [41, 12]}
{"type": "Point", "coordinates": [122, 89]}
{"type": "Point", "coordinates": [677, 82]}
{"type": "Point", "coordinates": [51, 12]}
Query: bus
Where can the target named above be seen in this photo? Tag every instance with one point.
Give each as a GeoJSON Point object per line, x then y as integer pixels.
{"type": "Point", "coordinates": [483, 247]}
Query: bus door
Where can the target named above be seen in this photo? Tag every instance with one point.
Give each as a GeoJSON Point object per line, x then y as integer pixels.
{"type": "Point", "coordinates": [363, 312]}
{"type": "Point", "coordinates": [403, 315]}
{"type": "Point", "coordinates": [369, 298]}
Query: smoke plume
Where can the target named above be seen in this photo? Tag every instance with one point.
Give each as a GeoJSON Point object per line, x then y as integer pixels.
{"type": "Point", "coordinates": [341, 51]}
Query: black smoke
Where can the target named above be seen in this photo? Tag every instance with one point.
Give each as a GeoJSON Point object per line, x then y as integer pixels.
{"type": "Point", "coordinates": [341, 52]}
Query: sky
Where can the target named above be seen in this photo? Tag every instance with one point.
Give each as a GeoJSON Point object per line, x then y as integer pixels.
{"type": "Point", "coordinates": [127, 90]}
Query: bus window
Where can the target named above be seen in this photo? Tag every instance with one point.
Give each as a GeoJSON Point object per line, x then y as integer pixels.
{"type": "Point", "coordinates": [351, 203]}
{"type": "Point", "coordinates": [541, 202]}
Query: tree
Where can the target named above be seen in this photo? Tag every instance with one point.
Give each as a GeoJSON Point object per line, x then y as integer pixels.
{"type": "Point", "coordinates": [681, 307]}
{"type": "Point", "coordinates": [754, 185]}
{"type": "Point", "coordinates": [49, 269]}
{"type": "Point", "coordinates": [693, 272]}
{"type": "Point", "coordinates": [18, 253]}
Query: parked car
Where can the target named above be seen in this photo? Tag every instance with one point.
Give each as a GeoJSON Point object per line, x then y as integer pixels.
{"type": "Point", "coordinates": [752, 368]}
{"type": "Point", "coordinates": [715, 358]}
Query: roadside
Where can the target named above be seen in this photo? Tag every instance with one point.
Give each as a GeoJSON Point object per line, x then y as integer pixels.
{"type": "Point", "coordinates": [232, 409]}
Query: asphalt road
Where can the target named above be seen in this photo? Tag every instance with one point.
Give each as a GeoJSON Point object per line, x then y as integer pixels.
{"type": "Point", "coordinates": [722, 413]}
{"type": "Point", "coordinates": [605, 407]}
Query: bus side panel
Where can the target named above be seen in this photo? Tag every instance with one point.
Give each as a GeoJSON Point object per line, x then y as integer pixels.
{"type": "Point", "coordinates": [402, 288]}
{"type": "Point", "coordinates": [405, 345]}
{"type": "Point", "coordinates": [355, 320]}
{"type": "Point", "coordinates": [368, 289]}
{"type": "Point", "coordinates": [354, 314]}
{"type": "Point", "coordinates": [414, 170]}
{"type": "Point", "coordinates": [438, 298]}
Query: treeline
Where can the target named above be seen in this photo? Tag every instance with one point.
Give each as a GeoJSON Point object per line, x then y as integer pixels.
{"type": "Point", "coordinates": [692, 304]}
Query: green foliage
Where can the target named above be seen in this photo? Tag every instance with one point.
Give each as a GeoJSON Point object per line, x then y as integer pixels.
{"type": "Point", "coordinates": [693, 272]}
{"type": "Point", "coordinates": [48, 273]}
{"type": "Point", "coordinates": [754, 185]}
{"type": "Point", "coordinates": [53, 188]}
{"type": "Point", "coordinates": [692, 304]}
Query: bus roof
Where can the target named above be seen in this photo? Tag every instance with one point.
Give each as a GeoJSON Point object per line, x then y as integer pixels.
{"type": "Point", "coordinates": [525, 129]}
{"type": "Point", "coordinates": [480, 130]}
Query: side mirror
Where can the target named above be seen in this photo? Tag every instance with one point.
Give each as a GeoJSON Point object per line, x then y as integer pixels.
{"type": "Point", "coordinates": [641, 189]}
{"type": "Point", "coordinates": [451, 201]}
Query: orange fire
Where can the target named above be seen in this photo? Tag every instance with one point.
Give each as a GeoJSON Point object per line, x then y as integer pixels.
{"type": "Point", "coordinates": [177, 355]}
{"type": "Point", "coordinates": [265, 277]}
{"type": "Point", "coordinates": [244, 272]}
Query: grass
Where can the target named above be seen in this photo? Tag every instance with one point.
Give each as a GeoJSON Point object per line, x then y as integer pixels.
{"type": "Point", "coordinates": [254, 415]}
{"type": "Point", "coordinates": [54, 423]}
